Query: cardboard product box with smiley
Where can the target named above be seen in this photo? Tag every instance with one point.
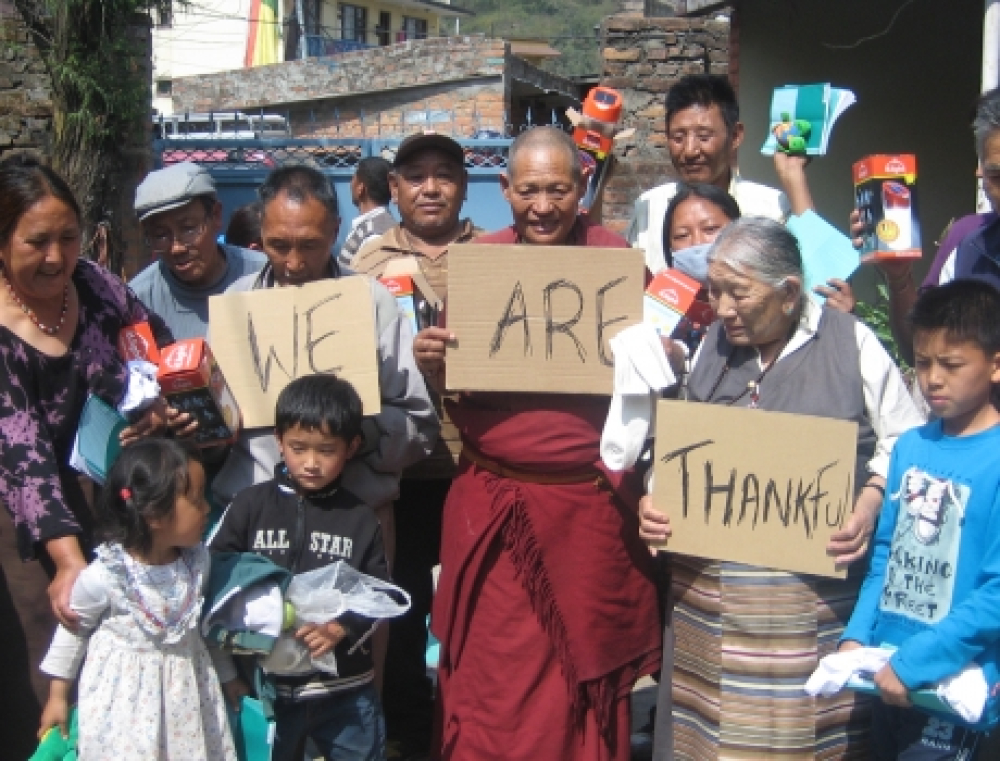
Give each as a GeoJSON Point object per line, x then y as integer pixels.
{"type": "Point", "coordinates": [885, 195]}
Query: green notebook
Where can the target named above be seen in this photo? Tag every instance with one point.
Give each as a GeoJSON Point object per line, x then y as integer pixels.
{"type": "Point", "coordinates": [821, 105]}
{"type": "Point", "coordinates": [97, 446]}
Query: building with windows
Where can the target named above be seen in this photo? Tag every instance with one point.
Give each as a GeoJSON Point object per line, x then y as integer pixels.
{"type": "Point", "coordinates": [225, 35]}
{"type": "Point", "coordinates": [334, 27]}
{"type": "Point", "coordinates": [364, 68]}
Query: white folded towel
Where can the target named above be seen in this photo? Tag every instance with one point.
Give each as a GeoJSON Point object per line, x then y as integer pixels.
{"type": "Point", "coordinates": [965, 692]}
{"type": "Point", "coordinates": [834, 670]}
{"type": "Point", "coordinates": [641, 372]}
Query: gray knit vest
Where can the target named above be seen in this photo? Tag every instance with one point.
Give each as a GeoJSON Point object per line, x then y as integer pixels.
{"type": "Point", "coordinates": [822, 378]}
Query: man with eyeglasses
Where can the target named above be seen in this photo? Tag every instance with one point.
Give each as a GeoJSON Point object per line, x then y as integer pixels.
{"type": "Point", "coordinates": [181, 220]}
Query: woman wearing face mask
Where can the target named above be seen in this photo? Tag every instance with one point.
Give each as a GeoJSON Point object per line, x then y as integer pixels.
{"type": "Point", "coordinates": [694, 218]}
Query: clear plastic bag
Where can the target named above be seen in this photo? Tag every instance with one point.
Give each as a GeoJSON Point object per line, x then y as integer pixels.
{"type": "Point", "coordinates": [326, 594]}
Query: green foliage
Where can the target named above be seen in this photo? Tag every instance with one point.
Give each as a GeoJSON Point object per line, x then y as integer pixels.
{"type": "Point", "coordinates": [876, 317]}
{"type": "Point", "coordinates": [567, 25]}
{"type": "Point", "coordinates": [92, 62]}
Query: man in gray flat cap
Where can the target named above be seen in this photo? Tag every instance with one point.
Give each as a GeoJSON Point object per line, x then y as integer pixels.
{"type": "Point", "coordinates": [181, 218]}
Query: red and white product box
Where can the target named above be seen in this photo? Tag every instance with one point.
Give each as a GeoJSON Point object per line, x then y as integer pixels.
{"type": "Point", "coordinates": [671, 297]}
{"type": "Point", "coordinates": [412, 302]}
{"type": "Point", "coordinates": [136, 344]}
{"type": "Point", "coordinates": [885, 195]}
{"type": "Point", "coordinates": [401, 286]}
{"type": "Point", "coordinates": [192, 382]}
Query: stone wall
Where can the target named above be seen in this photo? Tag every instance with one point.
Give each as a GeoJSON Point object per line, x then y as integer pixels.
{"type": "Point", "coordinates": [25, 88]}
{"type": "Point", "coordinates": [394, 67]}
{"type": "Point", "coordinates": [455, 85]}
{"type": "Point", "coordinates": [643, 58]}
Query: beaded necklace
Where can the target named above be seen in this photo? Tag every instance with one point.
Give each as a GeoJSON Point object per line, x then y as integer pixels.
{"type": "Point", "coordinates": [753, 387]}
{"type": "Point", "coordinates": [165, 623]}
{"type": "Point", "coordinates": [31, 312]}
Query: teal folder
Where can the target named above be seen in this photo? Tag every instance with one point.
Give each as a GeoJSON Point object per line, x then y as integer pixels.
{"type": "Point", "coordinates": [253, 734]}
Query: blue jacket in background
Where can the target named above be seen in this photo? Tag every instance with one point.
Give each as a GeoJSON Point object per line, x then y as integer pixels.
{"type": "Point", "coordinates": [978, 255]}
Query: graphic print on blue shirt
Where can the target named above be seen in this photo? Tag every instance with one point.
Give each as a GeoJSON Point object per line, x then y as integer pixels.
{"type": "Point", "coordinates": [920, 572]}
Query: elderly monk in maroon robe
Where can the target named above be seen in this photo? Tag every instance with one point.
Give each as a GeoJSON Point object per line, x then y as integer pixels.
{"type": "Point", "coordinates": [546, 607]}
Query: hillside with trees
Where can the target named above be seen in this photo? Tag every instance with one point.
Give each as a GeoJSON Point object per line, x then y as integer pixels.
{"type": "Point", "coordinates": [567, 25]}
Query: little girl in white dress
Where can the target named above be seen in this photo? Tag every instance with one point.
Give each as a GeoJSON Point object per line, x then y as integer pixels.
{"type": "Point", "coordinates": [149, 688]}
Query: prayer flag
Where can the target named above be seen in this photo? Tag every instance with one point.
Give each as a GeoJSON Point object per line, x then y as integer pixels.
{"type": "Point", "coordinates": [262, 33]}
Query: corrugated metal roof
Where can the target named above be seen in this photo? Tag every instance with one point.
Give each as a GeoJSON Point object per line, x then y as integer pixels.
{"type": "Point", "coordinates": [533, 49]}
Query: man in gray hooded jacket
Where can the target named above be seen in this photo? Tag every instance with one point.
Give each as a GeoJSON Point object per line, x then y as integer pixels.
{"type": "Point", "coordinates": [300, 224]}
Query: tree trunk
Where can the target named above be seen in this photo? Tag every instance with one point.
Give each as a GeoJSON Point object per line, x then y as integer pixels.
{"type": "Point", "coordinates": [94, 173]}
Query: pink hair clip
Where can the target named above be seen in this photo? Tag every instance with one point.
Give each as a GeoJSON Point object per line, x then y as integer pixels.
{"type": "Point", "coordinates": [126, 493]}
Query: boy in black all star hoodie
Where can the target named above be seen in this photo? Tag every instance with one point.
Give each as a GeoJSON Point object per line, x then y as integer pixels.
{"type": "Point", "coordinates": [303, 520]}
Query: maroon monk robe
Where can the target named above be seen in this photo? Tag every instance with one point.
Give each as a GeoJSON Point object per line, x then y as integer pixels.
{"type": "Point", "coordinates": [546, 607]}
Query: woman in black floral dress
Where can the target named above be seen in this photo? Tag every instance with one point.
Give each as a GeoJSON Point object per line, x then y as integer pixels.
{"type": "Point", "coordinates": [59, 322]}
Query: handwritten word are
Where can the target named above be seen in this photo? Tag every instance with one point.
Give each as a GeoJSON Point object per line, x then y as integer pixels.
{"type": "Point", "coordinates": [563, 308]}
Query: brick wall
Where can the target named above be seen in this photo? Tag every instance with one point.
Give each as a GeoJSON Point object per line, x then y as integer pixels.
{"type": "Point", "coordinates": [25, 89]}
{"type": "Point", "coordinates": [643, 58]}
{"type": "Point", "coordinates": [456, 108]}
{"type": "Point", "coordinates": [409, 64]}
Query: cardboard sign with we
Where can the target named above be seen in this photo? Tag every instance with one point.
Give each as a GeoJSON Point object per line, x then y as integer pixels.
{"type": "Point", "coordinates": [265, 339]}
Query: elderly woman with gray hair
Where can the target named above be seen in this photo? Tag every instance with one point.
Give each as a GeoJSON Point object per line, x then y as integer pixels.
{"type": "Point", "coordinates": [746, 638]}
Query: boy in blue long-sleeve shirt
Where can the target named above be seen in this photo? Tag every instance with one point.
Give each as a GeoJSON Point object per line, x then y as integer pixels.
{"type": "Point", "coordinates": [933, 590]}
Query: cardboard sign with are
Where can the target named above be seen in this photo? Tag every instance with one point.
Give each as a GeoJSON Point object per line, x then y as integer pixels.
{"type": "Point", "coordinates": [767, 489]}
{"type": "Point", "coordinates": [538, 318]}
{"type": "Point", "coordinates": [264, 339]}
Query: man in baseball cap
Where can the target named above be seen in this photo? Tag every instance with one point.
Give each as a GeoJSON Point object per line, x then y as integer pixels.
{"type": "Point", "coordinates": [428, 183]}
{"type": "Point", "coordinates": [427, 141]}
{"type": "Point", "coordinates": [181, 219]}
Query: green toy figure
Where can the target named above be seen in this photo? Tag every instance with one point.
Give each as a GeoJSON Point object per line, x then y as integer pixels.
{"type": "Point", "coordinates": [55, 747]}
{"type": "Point", "coordinates": [792, 136]}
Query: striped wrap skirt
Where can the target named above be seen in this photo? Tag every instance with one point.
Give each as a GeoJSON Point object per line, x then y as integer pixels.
{"type": "Point", "coordinates": [747, 639]}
